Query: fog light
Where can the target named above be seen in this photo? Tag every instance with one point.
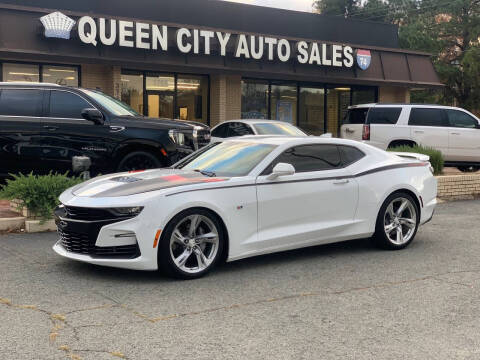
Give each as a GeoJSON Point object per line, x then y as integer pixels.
{"type": "Point", "coordinates": [128, 211]}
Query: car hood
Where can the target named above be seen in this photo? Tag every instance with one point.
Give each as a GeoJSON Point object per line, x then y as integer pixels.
{"type": "Point", "coordinates": [158, 123]}
{"type": "Point", "coordinates": [137, 182]}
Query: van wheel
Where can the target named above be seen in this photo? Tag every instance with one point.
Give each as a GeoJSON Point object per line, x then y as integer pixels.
{"type": "Point", "coordinates": [138, 160]}
{"type": "Point", "coordinates": [468, 168]}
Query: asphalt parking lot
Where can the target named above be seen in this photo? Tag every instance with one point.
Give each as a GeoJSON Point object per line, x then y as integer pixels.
{"type": "Point", "coordinates": [343, 301]}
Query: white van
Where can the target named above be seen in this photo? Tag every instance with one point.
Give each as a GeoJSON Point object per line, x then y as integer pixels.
{"type": "Point", "coordinates": [453, 131]}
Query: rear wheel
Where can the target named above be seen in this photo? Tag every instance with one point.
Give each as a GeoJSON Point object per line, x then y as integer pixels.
{"type": "Point", "coordinates": [191, 245]}
{"type": "Point", "coordinates": [139, 160]}
{"type": "Point", "coordinates": [397, 222]}
{"type": "Point", "coordinates": [468, 168]}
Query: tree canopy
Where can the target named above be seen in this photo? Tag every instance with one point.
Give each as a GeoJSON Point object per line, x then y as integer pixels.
{"type": "Point", "coordinates": [448, 29]}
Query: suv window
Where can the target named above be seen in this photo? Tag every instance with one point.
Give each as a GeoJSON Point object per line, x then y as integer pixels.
{"type": "Point", "coordinates": [383, 115]}
{"type": "Point", "coordinates": [427, 117]}
{"type": "Point", "coordinates": [461, 119]}
{"type": "Point", "coordinates": [238, 129]}
{"type": "Point", "coordinates": [356, 116]}
{"type": "Point", "coordinates": [350, 154]}
{"type": "Point", "coordinates": [307, 158]}
{"type": "Point", "coordinates": [64, 104]}
{"type": "Point", "coordinates": [21, 102]}
{"type": "Point", "coordinates": [220, 131]}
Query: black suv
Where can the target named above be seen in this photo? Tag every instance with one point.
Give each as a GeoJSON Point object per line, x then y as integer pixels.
{"type": "Point", "coordinates": [43, 126]}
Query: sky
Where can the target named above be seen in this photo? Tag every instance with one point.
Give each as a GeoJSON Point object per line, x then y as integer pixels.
{"type": "Point", "coordinates": [299, 5]}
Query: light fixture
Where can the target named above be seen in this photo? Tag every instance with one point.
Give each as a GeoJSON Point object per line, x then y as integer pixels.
{"type": "Point", "coordinates": [342, 89]}
{"type": "Point", "coordinates": [22, 74]}
{"type": "Point", "coordinates": [62, 70]}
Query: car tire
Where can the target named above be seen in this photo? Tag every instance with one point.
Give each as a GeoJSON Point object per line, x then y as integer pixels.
{"type": "Point", "coordinates": [397, 222]}
{"type": "Point", "coordinates": [469, 169]}
{"type": "Point", "coordinates": [138, 160]}
{"type": "Point", "coordinates": [187, 253]}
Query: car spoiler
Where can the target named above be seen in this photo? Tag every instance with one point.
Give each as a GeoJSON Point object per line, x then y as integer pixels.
{"type": "Point", "coordinates": [408, 155]}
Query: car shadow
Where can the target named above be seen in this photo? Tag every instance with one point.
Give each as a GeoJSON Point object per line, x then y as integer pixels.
{"type": "Point", "coordinates": [254, 264]}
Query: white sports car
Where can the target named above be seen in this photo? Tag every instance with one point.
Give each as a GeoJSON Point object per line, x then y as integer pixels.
{"type": "Point", "coordinates": [246, 197]}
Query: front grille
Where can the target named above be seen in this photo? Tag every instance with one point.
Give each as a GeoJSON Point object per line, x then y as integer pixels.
{"type": "Point", "coordinates": [81, 244]}
{"type": "Point", "coordinates": [88, 214]}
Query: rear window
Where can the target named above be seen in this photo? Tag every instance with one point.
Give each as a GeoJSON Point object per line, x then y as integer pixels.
{"type": "Point", "coordinates": [383, 115]}
{"type": "Point", "coordinates": [20, 102]}
{"type": "Point", "coordinates": [356, 116]}
{"type": "Point", "coordinates": [427, 117]}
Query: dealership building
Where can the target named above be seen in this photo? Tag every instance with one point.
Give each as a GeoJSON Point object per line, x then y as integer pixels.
{"type": "Point", "coordinates": [210, 60]}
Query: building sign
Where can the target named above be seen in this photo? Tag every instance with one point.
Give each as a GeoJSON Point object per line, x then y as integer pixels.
{"type": "Point", "coordinates": [364, 58]}
{"type": "Point", "coordinates": [146, 36]}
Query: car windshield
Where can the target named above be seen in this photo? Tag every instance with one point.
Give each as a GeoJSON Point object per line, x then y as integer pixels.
{"type": "Point", "coordinates": [230, 158]}
{"type": "Point", "coordinates": [278, 129]}
{"type": "Point", "coordinates": [111, 104]}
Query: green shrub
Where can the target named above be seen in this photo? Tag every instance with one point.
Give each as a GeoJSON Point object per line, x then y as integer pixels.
{"type": "Point", "coordinates": [436, 157]}
{"type": "Point", "coordinates": [39, 194]}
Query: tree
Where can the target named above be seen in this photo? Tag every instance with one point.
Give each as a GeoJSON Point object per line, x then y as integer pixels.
{"type": "Point", "coordinates": [336, 7]}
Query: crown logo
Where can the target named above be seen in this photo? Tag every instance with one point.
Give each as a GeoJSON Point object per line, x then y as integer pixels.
{"type": "Point", "coordinates": [57, 25]}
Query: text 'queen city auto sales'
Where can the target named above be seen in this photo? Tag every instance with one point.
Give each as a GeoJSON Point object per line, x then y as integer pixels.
{"type": "Point", "coordinates": [155, 37]}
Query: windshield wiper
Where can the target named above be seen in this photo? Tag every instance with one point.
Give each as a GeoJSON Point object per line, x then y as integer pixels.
{"type": "Point", "coordinates": [206, 173]}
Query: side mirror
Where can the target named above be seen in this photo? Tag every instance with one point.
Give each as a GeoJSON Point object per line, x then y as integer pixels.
{"type": "Point", "coordinates": [281, 169]}
{"type": "Point", "coordinates": [93, 115]}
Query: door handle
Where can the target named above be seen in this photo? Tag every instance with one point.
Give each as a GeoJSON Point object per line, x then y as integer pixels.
{"type": "Point", "coordinates": [341, 181]}
{"type": "Point", "coordinates": [117, 128]}
{"type": "Point", "coordinates": [50, 128]}
{"type": "Point", "coordinates": [453, 133]}
{"type": "Point", "coordinates": [418, 131]}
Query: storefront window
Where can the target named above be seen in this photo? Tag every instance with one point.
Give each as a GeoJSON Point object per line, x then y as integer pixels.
{"type": "Point", "coordinates": [61, 75]}
{"type": "Point", "coordinates": [312, 110]}
{"type": "Point", "coordinates": [284, 103]}
{"type": "Point", "coordinates": [338, 101]}
{"type": "Point", "coordinates": [132, 91]}
{"type": "Point", "coordinates": [254, 99]}
{"type": "Point", "coordinates": [192, 97]}
{"type": "Point", "coordinates": [20, 72]}
{"type": "Point", "coordinates": [363, 96]}
{"type": "Point", "coordinates": [160, 95]}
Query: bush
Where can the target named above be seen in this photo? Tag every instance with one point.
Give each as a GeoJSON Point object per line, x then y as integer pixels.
{"type": "Point", "coordinates": [436, 157]}
{"type": "Point", "coordinates": [39, 194]}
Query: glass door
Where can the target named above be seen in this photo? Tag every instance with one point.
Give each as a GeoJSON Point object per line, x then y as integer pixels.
{"type": "Point", "coordinates": [160, 91]}
{"type": "Point", "coordinates": [312, 110]}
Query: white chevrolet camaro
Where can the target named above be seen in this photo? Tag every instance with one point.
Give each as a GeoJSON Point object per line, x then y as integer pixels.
{"type": "Point", "coordinates": [246, 197]}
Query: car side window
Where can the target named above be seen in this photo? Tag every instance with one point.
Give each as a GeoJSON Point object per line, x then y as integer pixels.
{"type": "Point", "coordinates": [350, 154]}
{"type": "Point", "coordinates": [308, 158]}
{"type": "Point", "coordinates": [238, 129]}
{"type": "Point", "coordinates": [64, 104]}
{"type": "Point", "coordinates": [220, 131]}
{"type": "Point", "coordinates": [427, 117]}
{"type": "Point", "coordinates": [384, 115]}
{"type": "Point", "coordinates": [461, 119]}
{"type": "Point", "coordinates": [21, 102]}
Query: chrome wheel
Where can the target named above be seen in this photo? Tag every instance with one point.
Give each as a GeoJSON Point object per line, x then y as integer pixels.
{"type": "Point", "coordinates": [194, 243]}
{"type": "Point", "coordinates": [400, 221]}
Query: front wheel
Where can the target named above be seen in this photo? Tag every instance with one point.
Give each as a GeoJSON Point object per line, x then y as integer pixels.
{"type": "Point", "coordinates": [138, 160]}
{"type": "Point", "coordinates": [397, 222]}
{"type": "Point", "coordinates": [191, 245]}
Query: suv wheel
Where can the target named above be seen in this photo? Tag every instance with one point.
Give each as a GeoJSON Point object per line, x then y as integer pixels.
{"type": "Point", "coordinates": [138, 160]}
{"type": "Point", "coordinates": [468, 168]}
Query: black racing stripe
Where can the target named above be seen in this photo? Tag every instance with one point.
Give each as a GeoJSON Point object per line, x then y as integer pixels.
{"type": "Point", "coordinates": [364, 173]}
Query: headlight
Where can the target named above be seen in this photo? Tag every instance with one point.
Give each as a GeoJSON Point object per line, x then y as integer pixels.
{"type": "Point", "coordinates": [177, 137]}
{"type": "Point", "coordinates": [127, 211]}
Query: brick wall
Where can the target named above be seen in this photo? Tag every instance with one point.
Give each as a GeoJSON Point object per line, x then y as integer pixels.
{"type": "Point", "coordinates": [456, 187]}
{"type": "Point", "coordinates": [225, 98]}
{"type": "Point", "coordinates": [103, 77]}
{"type": "Point", "coordinates": [390, 94]}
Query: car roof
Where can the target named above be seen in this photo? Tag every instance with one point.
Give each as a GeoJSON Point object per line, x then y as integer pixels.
{"type": "Point", "coordinates": [256, 121]}
{"type": "Point", "coordinates": [366, 106]}
{"type": "Point", "coordinates": [282, 140]}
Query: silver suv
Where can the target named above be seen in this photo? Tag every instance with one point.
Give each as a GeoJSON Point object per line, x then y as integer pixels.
{"type": "Point", "coordinates": [453, 131]}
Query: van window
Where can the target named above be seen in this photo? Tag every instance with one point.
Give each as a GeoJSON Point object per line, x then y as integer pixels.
{"type": "Point", "coordinates": [383, 115]}
{"type": "Point", "coordinates": [356, 116]}
{"type": "Point", "coordinates": [461, 119]}
{"type": "Point", "coordinates": [427, 117]}
{"type": "Point", "coordinates": [21, 102]}
{"type": "Point", "coordinates": [64, 104]}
